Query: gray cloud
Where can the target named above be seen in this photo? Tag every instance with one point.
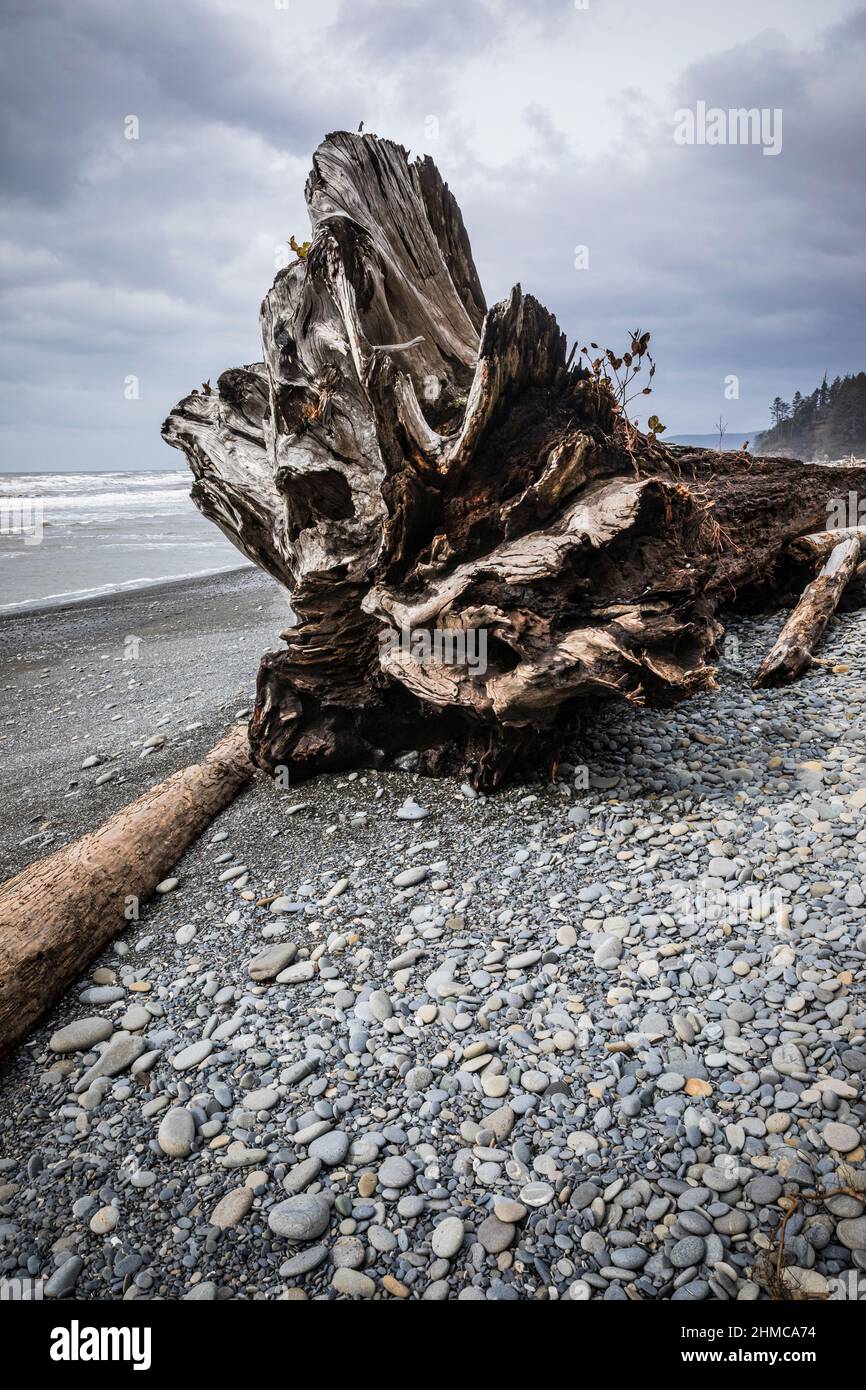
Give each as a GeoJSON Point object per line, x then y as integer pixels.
{"type": "Point", "coordinates": [150, 257]}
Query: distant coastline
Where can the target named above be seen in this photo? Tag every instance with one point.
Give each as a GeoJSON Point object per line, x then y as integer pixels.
{"type": "Point", "coordinates": [731, 440]}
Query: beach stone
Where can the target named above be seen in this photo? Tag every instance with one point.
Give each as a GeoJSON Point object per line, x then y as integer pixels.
{"type": "Point", "coordinates": [120, 1053]}
{"type": "Point", "coordinates": [367, 1184]}
{"type": "Point", "coordinates": [843, 1138]}
{"type": "Point", "coordinates": [61, 1283]}
{"type": "Point", "coordinates": [353, 1283]}
{"type": "Point", "coordinates": [494, 1086]}
{"type": "Point", "coordinates": [764, 1190]}
{"type": "Point", "coordinates": [380, 1006]}
{"type": "Point", "coordinates": [136, 1018]}
{"type": "Point", "coordinates": [506, 1210]}
{"type": "Point", "coordinates": [297, 974]}
{"type": "Point", "coordinates": [534, 1081]}
{"type": "Point", "coordinates": [787, 1059]}
{"type": "Point", "coordinates": [304, 1262]}
{"type": "Point", "coordinates": [232, 1208]}
{"type": "Point", "coordinates": [347, 1253]}
{"type": "Point", "coordinates": [687, 1252]}
{"type": "Point", "coordinates": [191, 1056]}
{"type": "Point", "coordinates": [696, 1086]}
{"type": "Point", "coordinates": [418, 1079]}
{"type": "Point", "coordinates": [283, 905]}
{"type": "Point", "coordinates": [263, 1099]}
{"type": "Point", "coordinates": [302, 1174]}
{"type": "Point", "coordinates": [495, 1235]}
{"type": "Point", "coordinates": [396, 1172]}
{"type": "Point", "coordinates": [238, 1155]}
{"type": "Point", "coordinates": [853, 1233]}
{"type": "Point", "coordinates": [102, 994]}
{"type": "Point", "coordinates": [808, 1281]}
{"type": "Point", "coordinates": [81, 1035]}
{"type": "Point", "coordinates": [447, 1237]}
{"type": "Point", "coordinates": [301, 1218]}
{"type": "Point", "coordinates": [500, 1122]}
{"type": "Point", "coordinates": [407, 878]}
{"type": "Point", "coordinates": [104, 1220]}
{"type": "Point", "coordinates": [537, 1194]}
{"type": "Point", "coordinates": [205, 1292]}
{"type": "Point", "coordinates": [331, 1148]}
{"type": "Point", "coordinates": [176, 1132]}
{"type": "Point", "coordinates": [268, 964]}
{"type": "Point", "coordinates": [732, 1223]}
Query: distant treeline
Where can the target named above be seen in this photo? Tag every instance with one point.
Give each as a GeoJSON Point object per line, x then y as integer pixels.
{"type": "Point", "coordinates": [830, 423]}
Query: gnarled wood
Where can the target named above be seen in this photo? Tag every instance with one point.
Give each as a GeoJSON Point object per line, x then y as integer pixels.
{"type": "Point", "coordinates": [59, 913]}
{"type": "Point", "coordinates": [410, 463]}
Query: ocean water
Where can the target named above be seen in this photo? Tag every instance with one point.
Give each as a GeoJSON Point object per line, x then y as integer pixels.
{"type": "Point", "coordinates": [65, 537]}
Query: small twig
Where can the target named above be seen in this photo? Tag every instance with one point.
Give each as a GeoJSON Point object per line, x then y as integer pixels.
{"type": "Point", "coordinates": [777, 1285]}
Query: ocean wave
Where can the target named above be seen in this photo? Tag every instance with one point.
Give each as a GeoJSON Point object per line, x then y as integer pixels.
{"type": "Point", "coordinates": [76, 491]}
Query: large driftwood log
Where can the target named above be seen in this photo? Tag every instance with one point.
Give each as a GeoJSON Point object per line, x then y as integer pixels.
{"type": "Point", "coordinates": [411, 466]}
{"type": "Point", "coordinates": [59, 913]}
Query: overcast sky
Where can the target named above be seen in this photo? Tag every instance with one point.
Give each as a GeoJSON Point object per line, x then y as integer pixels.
{"type": "Point", "coordinates": [553, 123]}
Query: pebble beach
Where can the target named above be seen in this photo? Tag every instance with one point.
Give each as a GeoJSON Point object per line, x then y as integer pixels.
{"type": "Point", "coordinates": [380, 1037]}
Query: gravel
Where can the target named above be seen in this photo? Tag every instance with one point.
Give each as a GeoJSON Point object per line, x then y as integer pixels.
{"type": "Point", "coordinates": [552, 1043]}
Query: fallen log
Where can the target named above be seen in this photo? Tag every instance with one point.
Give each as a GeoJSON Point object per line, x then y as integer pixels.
{"type": "Point", "coordinates": [818, 547]}
{"type": "Point", "coordinates": [478, 542]}
{"type": "Point", "coordinates": [792, 652]}
{"type": "Point", "coordinates": [58, 914]}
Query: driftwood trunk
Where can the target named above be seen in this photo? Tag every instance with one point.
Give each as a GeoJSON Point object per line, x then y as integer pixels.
{"type": "Point", "coordinates": [59, 914]}
{"type": "Point", "coordinates": [476, 543]}
{"type": "Point", "coordinates": [819, 547]}
{"type": "Point", "coordinates": [793, 651]}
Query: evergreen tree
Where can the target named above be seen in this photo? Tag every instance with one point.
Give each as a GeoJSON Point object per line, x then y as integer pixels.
{"type": "Point", "coordinates": [830, 421]}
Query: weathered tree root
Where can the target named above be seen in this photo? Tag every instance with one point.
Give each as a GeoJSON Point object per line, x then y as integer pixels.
{"type": "Point", "coordinates": [409, 464]}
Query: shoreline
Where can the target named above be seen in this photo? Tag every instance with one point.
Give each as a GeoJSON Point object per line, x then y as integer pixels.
{"type": "Point", "coordinates": [156, 588]}
{"type": "Point", "coordinates": [176, 661]}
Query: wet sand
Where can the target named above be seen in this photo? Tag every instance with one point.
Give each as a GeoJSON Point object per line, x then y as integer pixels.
{"type": "Point", "coordinates": [101, 678]}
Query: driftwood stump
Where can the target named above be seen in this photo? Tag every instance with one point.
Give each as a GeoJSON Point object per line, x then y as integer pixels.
{"type": "Point", "coordinates": [476, 542]}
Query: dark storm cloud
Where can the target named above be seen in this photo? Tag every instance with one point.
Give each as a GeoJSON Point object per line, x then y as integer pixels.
{"type": "Point", "coordinates": [150, 257]}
